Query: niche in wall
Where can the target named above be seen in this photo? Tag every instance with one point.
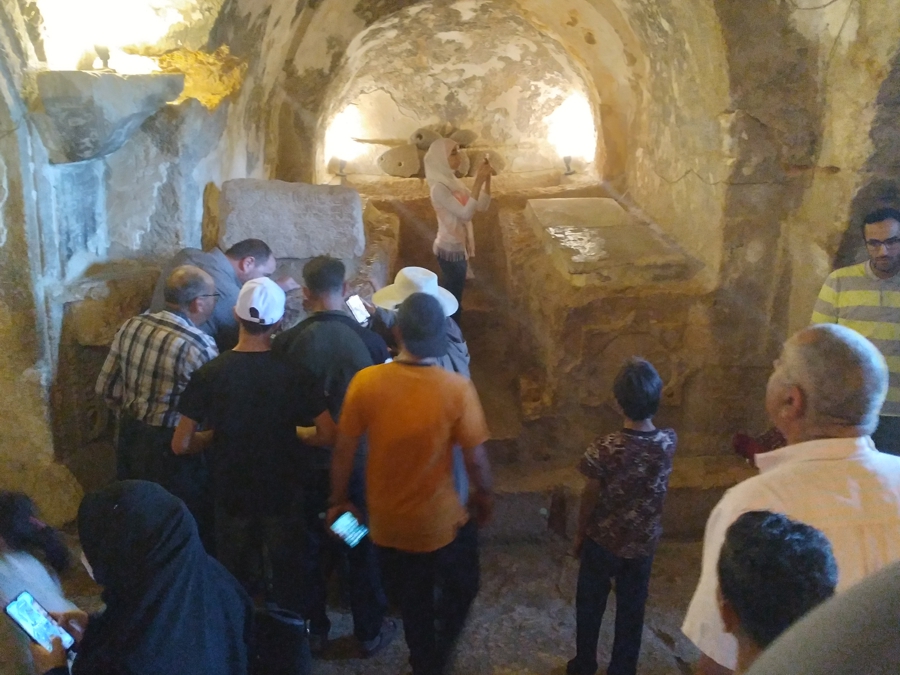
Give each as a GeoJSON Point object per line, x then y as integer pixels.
{"type": "Point", "coordinates": [475, 66]}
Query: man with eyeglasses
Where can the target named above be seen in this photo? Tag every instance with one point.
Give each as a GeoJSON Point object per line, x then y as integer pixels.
{"type": "Point", "coordinates": [246, 260]}
{"type": "Point", "coordinates": [150, 362]}
{"type": "Point", "coordinates": [866, 298]}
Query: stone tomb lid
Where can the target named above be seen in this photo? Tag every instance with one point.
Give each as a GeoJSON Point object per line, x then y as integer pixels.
{"type": "Point", "coordinates": [597, 240]}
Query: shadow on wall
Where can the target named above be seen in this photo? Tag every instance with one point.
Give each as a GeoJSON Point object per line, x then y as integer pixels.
{"type": "Point", "coordinates": [881, 175]}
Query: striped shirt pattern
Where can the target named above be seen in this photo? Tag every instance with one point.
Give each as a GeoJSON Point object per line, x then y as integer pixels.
{"type": "Point", "coordinates": [150, 363]}
{"type": "Point", "coordinates": [854, 297]}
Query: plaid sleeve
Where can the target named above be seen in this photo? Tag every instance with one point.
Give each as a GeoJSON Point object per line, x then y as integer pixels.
{"type": "Point", "coordinates": [825, 310]}
{"type": "Point", "coordinates": [192, 357]}
{"type": "Point", "coordinates": [193, 402]}
{"type": "Point", "coordinates": [109, 383]}
{"type": "Point", "coordinates": [595, 462]}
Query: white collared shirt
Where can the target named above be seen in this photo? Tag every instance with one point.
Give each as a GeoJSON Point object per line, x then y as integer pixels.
{"type": "Point", "coordinates": [842, 486]}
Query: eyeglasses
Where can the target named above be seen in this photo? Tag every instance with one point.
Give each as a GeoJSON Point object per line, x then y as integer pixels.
{"type": "Point", "coordinates": [210, 295]}
{"type": "Point", "coordinates": [887, 243]}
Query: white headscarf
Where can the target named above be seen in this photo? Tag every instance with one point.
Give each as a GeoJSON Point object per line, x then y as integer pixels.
{"type": "Point", "coordinates": [437, 166]}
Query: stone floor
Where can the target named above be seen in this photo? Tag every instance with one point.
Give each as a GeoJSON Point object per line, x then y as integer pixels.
{"type": "Point", "coordinates": [523, 622]}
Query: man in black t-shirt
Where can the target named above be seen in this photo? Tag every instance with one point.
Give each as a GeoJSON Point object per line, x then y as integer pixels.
{"type": "Point", "coordinates": [254, 406]}
{"type": "Point", "coordinates": [334, 347]}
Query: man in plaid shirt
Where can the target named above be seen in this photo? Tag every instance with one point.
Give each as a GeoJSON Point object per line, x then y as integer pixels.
{"type": "Point", "coordinates": [150, 362]}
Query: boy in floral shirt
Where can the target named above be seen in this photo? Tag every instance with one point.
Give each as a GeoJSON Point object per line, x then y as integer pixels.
{"type": "Point", "coordinates": [619, 524]}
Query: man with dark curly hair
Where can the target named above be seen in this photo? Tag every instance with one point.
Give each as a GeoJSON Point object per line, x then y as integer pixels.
{"type": "Point", "coordinates": [772, 571]}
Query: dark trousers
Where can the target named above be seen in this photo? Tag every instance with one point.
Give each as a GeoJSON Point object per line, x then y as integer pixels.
{"type": "Point", "coordinates": [368, 603]}
{"type": "Point", "coordinates": [632, 575]}
{"type": "Point", "coordinates": [454, 279]}
{"type": "Point", "coordinates": [435, 591]}
{"type": "Point", "coordinates": [263, 549]}
{"type": "Point", "coordinates": [144, 452]}
{"type": "Point", "coordinates": [887, 435]}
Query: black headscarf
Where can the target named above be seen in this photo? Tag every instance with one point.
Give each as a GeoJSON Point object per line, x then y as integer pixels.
{"type": "Point", "coordinates": [170, 608]}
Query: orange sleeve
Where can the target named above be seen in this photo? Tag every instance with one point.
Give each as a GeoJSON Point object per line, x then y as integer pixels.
{"type": "Point", "coordinates": [471, 428]}
{"type": "Point", "coordinates": [354, 420]}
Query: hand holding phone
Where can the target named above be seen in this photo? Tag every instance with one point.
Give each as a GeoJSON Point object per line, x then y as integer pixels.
{"type": "Point", "coordinates": [358, 309]}
{"type": "Point", "coordinates": [349, 529]}
{"type": "Point", "coordinates": [45, 661]}
{"type": "Point", "coordinates": [37, 623]}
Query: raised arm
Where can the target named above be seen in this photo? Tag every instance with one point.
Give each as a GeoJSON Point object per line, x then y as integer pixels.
{"type": "Point", "coordinates": [442, 197]}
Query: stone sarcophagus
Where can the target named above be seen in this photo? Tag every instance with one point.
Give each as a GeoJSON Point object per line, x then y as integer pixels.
{"type": "Point", "coordinates": [297, 220]}
{"type": "Point", "coordinates": [594, 240]}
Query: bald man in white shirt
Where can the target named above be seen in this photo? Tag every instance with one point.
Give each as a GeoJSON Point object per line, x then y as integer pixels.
{"type": "Point", "coordinates": [824, 396]}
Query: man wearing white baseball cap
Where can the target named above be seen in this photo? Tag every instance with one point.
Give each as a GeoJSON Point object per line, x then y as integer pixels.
{"type": "Point", "coordinates": [253, 406]}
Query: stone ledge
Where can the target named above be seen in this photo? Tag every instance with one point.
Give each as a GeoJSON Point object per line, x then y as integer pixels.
{"type": "Point", "coordinates": [98, 304]}
{"type": "Point", "coordinates": [533, 501]}
{"type": "Point", "coordinates": [297, 220]}
{"type": "Point", "coordinates": [84, 115]}
{"type": "Point", "coordinates": [595, 241]}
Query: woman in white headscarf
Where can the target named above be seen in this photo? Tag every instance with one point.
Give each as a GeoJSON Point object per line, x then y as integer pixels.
{"type": "Point", "coordinates": [455, 205]}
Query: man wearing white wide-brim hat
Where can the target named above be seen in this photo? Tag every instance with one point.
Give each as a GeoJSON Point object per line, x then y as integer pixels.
{"type": "Point", "coordinates": [411, 280]}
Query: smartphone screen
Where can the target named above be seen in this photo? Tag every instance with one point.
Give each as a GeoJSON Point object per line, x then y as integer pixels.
{"type": "Point", "coordinates": [348, 528]}
{"type": "Point", "coordinates": [36, 622]}
{"type": "Point", "coordinates": [358, 309]}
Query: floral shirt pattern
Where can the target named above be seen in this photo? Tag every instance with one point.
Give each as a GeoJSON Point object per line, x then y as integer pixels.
{"type": "Point", "coordinates": [633, 469]}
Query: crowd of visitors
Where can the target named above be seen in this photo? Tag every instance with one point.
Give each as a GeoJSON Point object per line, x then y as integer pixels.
{"type": "Point", "coordinates": [234, 467]}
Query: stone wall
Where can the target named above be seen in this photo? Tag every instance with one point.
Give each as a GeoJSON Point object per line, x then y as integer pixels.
{"type": "Point", "coordinates": [26, 444]}
{"type": "Point", "coordinates": [855, 47]}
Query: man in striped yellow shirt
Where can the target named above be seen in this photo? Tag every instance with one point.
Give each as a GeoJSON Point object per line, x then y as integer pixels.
{"type": "Point", "coordinates": [866, 298]}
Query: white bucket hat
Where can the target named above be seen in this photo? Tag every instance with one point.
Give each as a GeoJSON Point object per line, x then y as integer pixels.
{"type": "Point", "coordinates": [411, 280]}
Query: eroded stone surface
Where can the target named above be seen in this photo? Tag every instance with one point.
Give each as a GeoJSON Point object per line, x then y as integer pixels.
{"type": "Point", "coordinates": [597, 237]}
{"type": "Point", "coordinates": [102, 302]}
{"type": "Point", "coordinates": [297, 220]}
{"type": "Point", "coordinates": [84, 115]}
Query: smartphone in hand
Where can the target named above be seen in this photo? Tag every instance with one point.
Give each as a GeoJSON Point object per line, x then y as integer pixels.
{"type": "Point", "coordinates": [349, 529]}
{"type": "Point", "coordinates": [358, 309]}
{"type": "Point", "coordinates": [37, 623]}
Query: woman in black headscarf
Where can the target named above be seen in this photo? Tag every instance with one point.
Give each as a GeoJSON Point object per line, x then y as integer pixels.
{"type": "Point", "coordinates": [170, 608]}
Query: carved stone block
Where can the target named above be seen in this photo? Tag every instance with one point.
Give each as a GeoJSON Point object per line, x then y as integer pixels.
{"type": "Point", "coordinates": [296, 219]}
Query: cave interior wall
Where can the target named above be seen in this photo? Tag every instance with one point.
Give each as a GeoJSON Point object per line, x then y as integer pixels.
{"type": "Point", "coordinates": [756, 156]}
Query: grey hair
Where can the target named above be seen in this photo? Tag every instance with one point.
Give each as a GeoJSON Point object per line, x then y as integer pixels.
{"type": "Point", "coordinates": [842, 374]}
{"type": "Point", "coordinates": [185, 284]}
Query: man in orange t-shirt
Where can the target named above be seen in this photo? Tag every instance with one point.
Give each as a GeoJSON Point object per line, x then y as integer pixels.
{"type": "Point", "coordinates": [414, 412]}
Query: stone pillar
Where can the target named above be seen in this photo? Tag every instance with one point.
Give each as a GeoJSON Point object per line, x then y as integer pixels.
{"type": "Point", "coordinates": [26, 444]}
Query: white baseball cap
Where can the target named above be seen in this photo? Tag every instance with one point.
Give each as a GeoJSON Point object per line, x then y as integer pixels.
{"type": "Point", "coordinates": [261, 301]}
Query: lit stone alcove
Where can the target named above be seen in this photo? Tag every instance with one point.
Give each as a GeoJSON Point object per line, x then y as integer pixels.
{"type": "Point", "coordinates": [483, 69]}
